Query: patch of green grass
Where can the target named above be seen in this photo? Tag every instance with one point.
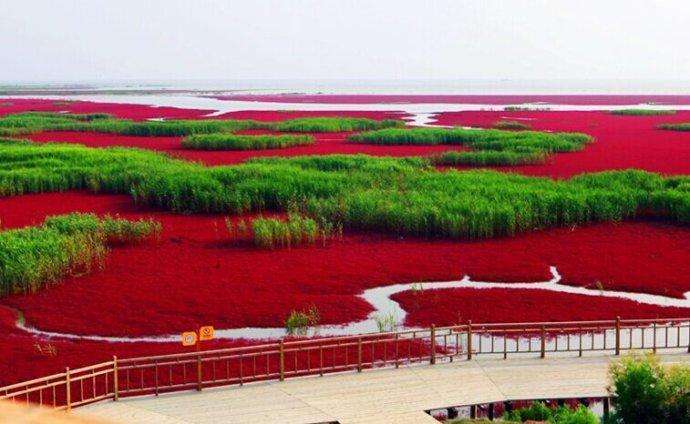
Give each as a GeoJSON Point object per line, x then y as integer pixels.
{"type": "Point", "coordinates": [510, 125]}
{"type": "Point", "coordinates": [642, 112]}
{"type": "Point", "coordinates": [490, 147]}
{"type": "Point", "coordinates": [684, 126]}
{"type": "Point", "coordinates": [271, 233]}
{"type": "Point", "coordinates": [224, 141]}
{"type": "Point", "coordinates": [34, 257]}
{"type": "Point", "coordinates": [402, 196]}
{"type": "Point", "coordinates": [50, 121]}
{"type": "Point", "coordinates": [334, 124]}
{"type": "Point", "coordinates": [299, 322]}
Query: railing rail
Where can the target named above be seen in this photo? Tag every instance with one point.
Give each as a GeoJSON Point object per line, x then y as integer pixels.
{"type": "Point", "coordinates": [152, 375]}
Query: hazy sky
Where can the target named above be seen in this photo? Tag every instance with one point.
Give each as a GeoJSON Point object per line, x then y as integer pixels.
{"type": "Point", "coordinates": [72, 40]}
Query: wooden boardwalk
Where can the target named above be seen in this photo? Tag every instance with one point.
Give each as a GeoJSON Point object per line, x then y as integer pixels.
{"type": "Point", "coordinates": [373, 396]}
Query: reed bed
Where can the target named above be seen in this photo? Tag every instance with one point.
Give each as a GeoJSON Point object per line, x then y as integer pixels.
{"type": "Point", "coordinates": [684, 126]}
{"type": "Point", "coordinates": [490, 147]}
{"type": "Point", "coordinates": [388, 195]}
{"type": "Point", "coordinates": [297, 230]}
{"type": "Point", "coordinates": [334, 124]}
{"type": "Point", "coordinates": [510, 125]}
{"type": "Point", "coordinates": [103, 123]}
{"type": "Point", "coordinates": [63, 245]}
{"type": "Point", "coordinates": [224, 141]}
{"type": "Point", "coordinates": [642, 112]}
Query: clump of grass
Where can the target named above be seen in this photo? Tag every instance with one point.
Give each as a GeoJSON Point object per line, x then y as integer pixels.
{"type": "Point", "coordinates": [386, 322]}
{"type": "Point", "coordinates": [244, 142]}
{"type": "Point", "coordinates": [271, 233]}
{"type": "Point", "coordinates": [490, 147]}
{"type": "Point", "coordinates": [51, 121]}
{"type": "Point", "coordinates": [684, 126]}
{"type": "Point", "coordinates": [510, 125]}
{"type": "Point", "coordinates": [334, 124]}
{"type": "Point", "coordinates": [64, 245]}
{"type": "Point", "coordinates": [299, 322]}
{"type": "Point", "coordinates": [525, 109]}
{"type": "Point", "coordinates": [642, 112]}
{"type": "Point", "coordinates": [399, 196]}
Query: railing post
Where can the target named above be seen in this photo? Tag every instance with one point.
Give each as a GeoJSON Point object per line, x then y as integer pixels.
{"type": "Point", "coordinates": [198, 372]}
{"type": "Point", "coordinates": [68, 389]}
{"type": "Point", "coordinates": [607, 406]}
{"type": "Point", "coordinates": [469, 340]}
{"type": "Point", "coordinates": [618, 336]}
{"type": "Point", "coordinates": [282, 361]}
{"type": "Point", "coordinates": [543, 342]}
{"type": "Point", "coordinates": [116, 388]}
{"type": "Point", "coordinates": [654, 339]}
{"type": "Point", "coordinates": [433, 344]}
{"type": "Point", "coordinates": [359, 354]}
{"type": "Point", "coordinates": [397, 353]}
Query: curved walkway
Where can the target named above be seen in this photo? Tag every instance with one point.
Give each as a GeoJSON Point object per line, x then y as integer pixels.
{"type": "Point", "coordinates": [374, 396]}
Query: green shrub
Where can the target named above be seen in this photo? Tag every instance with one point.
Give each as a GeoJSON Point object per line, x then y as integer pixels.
{"type": "Point", "coordinates": [538, 411]}
{"type": "Point", "coordinates": [642, 112]}
{"type": "Point", "coordinates": [244, 142]}
{"type": "Point", "coordinates": [34, 257]}
{"type": "Point", "coordinates": [510, 125]}
{"type": "Point", "coordinates": [647, 393]}
{"type": "Point", "coordinates": [490, 158]}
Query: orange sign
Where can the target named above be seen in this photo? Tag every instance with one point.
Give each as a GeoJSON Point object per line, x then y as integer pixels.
{"type": "Point", "coordinates": [188, 338]}
{"type": "Point", "coordinates": [206, 332]}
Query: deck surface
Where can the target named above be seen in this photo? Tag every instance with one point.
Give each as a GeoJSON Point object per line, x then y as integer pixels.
{"type": "Point", "coordinates": [373, 396]}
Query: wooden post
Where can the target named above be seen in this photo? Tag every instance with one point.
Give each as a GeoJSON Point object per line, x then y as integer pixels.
{"type": "Point", "coordinates": [282, 361]}
{"type": "Point", "coordinates": [654, 340]}
{"type": "Point", "coordinates": [68, 389]}
{"type": "Point", "coordinates": [607, 406]}
{"type": "Point", "coordinates": [469, 340]}
{"type": "Point", "coordinates": [198, 367]}
{"type": "Point", "coordinates": [618, 336]}
{"type": "Point", "coordinates": [433, 344]}
{"type": "Point", "coordinates": [473, 411]}
{"type": "Point", "coordinates": [359, 354]}
{"type": "Point", "coordinates": [397, 353]}
{"type": "Point", "coordinates": [543, 342]}
{"type": "Point", "coordinates": [116, 384]}
{"type": "Point", "coordinates": [490, 412]}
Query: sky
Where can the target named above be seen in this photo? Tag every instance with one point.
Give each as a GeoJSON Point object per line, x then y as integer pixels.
{"type": "Point", "coordinates": [77, 40]}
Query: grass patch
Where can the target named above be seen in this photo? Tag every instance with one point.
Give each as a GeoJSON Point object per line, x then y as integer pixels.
{"type": "Point", "coordinates": [299, 322]}
{"type": "Point", "coordinates": [490, 147]}
{"type": "Point", "coordinates": [64, 245]}
{"type": "Point", "coordinates": [642, 112]}
{"type": "Point", "coordinates": [684, 126]}
{"type": "Point", "coordinates": [390, 195]}
{"type": "Point", "coordinates": [297, 230]}
{"type": "Point", "coordinates": [103, 123]}
{"type": "Point", "coordinates": [510, 125]}
{"type": "Point", "coordinates": [334, 124]}
{"type": "Point", "coordinates": [220, 141]}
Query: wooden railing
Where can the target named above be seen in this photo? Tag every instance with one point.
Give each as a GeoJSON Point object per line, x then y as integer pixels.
{"type": "Point", "coordinates": [152, 375]}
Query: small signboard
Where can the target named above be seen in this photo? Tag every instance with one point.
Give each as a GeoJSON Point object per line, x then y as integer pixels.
{"type": "Point", "coordinates": [188, 338]}
{"type": "Point", "coordinates": [206, 332]}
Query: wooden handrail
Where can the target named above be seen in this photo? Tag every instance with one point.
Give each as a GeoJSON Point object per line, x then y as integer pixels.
{"type": "Point", "coordinates": [395, 348]}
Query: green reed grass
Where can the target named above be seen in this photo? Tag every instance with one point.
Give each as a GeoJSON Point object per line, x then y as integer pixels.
{"type": "Point", "coordinates": [64, 245]}
{"type": "Point", "coordinates": [642, 112]}
{"type": "Point", "coordinates": [510, 125]}
{"type": "Point", "coordinates": [103, 123]}
{"type": "Point", "coordinates": [225, 141]}
{"type": "Point", "coordinates": [334, 124]}
{"type": "Point", "coordinates": [388, 195]}
{"type": "Point", "coordinates": [271, 233]}
{"type": "Point", "coordinates": [490, 147]}
{"type": "Point", "coordinates": [684, 126]}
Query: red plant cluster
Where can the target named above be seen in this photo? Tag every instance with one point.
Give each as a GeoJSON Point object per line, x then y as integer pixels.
{"type": "Point", "coordinates": [497, 99]}
{"type": "Point", "coordinates": [457, 306]}
{"type": "Point", "coordinates": [196, 274]}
